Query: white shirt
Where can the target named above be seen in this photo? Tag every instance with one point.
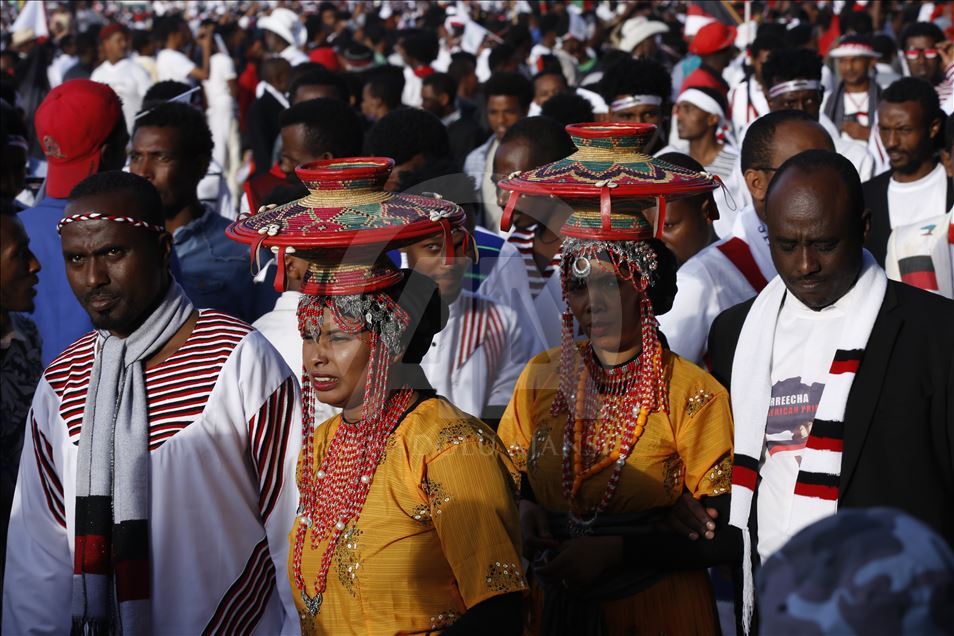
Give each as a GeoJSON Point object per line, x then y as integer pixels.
{"type": "Point", "coordinates": [129, 80]}
{"type": "Point", "coordinates": [856, 104]}
{"type": "Point", "coordinates": [58, 67]}
{"type": "Point", "coordinates": [805, 343]}
{"type": "Point", "coordinates": [174, 65]}
{"type": "Point", "coordinates": [476, 359]}
{"type": "Point", "coordinates": [917, 200]}
{"type": "Point", "coordinates": [217, 94]}
{"type": "Point", "coordinates": [748, 103]}
{"type": "Point", "coordinates": [224, 434]}
{"type": "Point", "coordinates": [709, 283]}
{"type": "Point", "coordinates": [912, 247]}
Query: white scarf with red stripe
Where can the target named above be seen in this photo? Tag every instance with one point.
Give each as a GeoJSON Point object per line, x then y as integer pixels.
{"type": "Point", "coordinates": [816, 488]}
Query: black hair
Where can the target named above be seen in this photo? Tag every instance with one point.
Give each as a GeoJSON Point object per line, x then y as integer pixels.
{"type": "Point", "coordinates": [765, 42]}
{"type": "Point", "coordinates": [375, 31]}
{"type": "Point", "coordinates": [550, 71]}
{"type": "Point", "coordinates": [405, 133]}
{"type": "Point", "coordinates": [800, 35]}
{"type": "Point", "coordinates": [949, 132]}
{"type": "Point", "coordinates": [420, 297]}
{"type": "Point", "coordinates": [636, 77]}
{"type": "Point", "coordinates": [568, 108]}
{"type": "Point", "coordinates": [86, 42]}
{"type": "Point", "coordinates": [162, 92]}
{"type": "Point", "coordinates": [387, 84]}
{"type": "Point", "coordinates": [912, 89]}
{"type": "Point", "coordinates": [140, 39]}
{"type": "Point", "coordinates": [546, 137]}
{"type": "Point", "coordinates": [423, 46]}
{"type": "Point", "coordinates": [512, 85]}
{"type": "Point", "coordinates": [195, 138]}
{"type": "Point", "coordinates": [548, 23]}
{"type": "Point", "coordinates": [662, 292]}
{"type": "Point", "coordinates": [855, 21]}
{"type": "Point", "coordinates": [318, 76]}
{"type": "Point", "coordinates": [330, 126]}
{"type": "Point", "coordinates": [759, 142]}
{"type": "Point", "coordinates": [884, 45]}
{"type": "Point", "coordinates": [815, 161]}
{"type": "Point", "coordinates": [784, 65]}
{"type": "Point", "coordinates": [443, 83]}
{"type": "Point", "coordinates": [549, 64]}
{"type": "Point", "coordinates": [685, 161]}
{"type": "Point", "coordinates": [500, 55]}
{"type": "Point", "coordinates": [145, 194]}
{"type": "Point", "coordinates": [921, 29]}
{"type": "Point", "coordinates": [462, 65]}
{"type": "Point", "coordinates": [313, 26]}
{"type": "Point", "coordinates": [166, 26]}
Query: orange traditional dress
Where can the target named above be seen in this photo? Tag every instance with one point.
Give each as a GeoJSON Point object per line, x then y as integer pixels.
{"type": "Point", "coordinates": [691, 446]}
{"type": "Point", "coordinates": [606, 450]}
{"type": "Point", "coordinates": [437, 535]}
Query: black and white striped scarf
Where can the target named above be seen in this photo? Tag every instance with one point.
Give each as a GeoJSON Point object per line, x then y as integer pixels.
{"type": "Point", "coordinates": [816, 488]}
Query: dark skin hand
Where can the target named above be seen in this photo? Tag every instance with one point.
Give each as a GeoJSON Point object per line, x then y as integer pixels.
{"type": "Point", "coordinates": [688, 517]}
{"type": "Point", "coordinates": [580, 562]}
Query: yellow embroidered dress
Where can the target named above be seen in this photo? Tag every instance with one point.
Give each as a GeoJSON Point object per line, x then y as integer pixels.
{"type": "Point", "coordinates": [690, 446]}
{"type": "Point", "coordinates": [438, 532]}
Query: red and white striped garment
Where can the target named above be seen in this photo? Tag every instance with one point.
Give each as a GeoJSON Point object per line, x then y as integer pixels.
{"type": "Point", "coordinates": [475, 360]}
{"type": "Point", "coordinates": [522, 239]}
{"type": "Point", "coordinates": [224, 421]}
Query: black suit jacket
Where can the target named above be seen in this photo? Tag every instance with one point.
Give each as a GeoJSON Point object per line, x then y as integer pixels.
{"type": "Point", "coordinates": [899, 418]}
{"type": "Point", "coordinates": [876, 200]}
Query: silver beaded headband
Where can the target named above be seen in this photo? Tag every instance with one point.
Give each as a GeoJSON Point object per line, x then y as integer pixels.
{"type": "Point", "coordinates": [631, 101]}
{"type": "Point", "coordinates": [96, 216]}
{"type": "Point", "coordinates": [377, 311]}
{"type": "Point", "coordinates": [794, 85]}
{"type": "Point", "coordinates": [577, 255]}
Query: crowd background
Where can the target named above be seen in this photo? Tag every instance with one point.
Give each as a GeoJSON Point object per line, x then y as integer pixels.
{"type": "Point", "coordinates": [220, 102]}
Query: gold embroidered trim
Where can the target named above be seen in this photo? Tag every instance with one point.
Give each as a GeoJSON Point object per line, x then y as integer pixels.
{"type": "Point", "coordinates": [444, 620]}
{"type": "Point", "coordinates": [673, 474]}
{"type": "Point", "coordinates": [505, 577]}
{"type": "Point", "coordinates": [458, 433]}
{"type": "Point", "coordinates": [346, 558]}
{"type": "Point", "coordinates": [696, 401]}
{"type": "Point", "coordinates": [538, 446]}
{"type": "Point", "coordinates": [436, 495]}
{"type": "Point", "coordinates": [720, 476]}
{"type": "Point", "coordinates": [518, 454]}
{"type": "Point", "coordinates": [422, 514]}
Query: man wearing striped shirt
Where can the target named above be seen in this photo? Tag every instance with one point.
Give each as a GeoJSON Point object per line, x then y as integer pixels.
{"type": "Point", "coordinates": [174, 518]}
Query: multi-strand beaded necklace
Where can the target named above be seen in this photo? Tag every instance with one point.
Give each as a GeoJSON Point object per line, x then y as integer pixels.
{"type": "Point", "coordinates": [606, 409]}
{"type": "Point", "coordinates": [333, 496]}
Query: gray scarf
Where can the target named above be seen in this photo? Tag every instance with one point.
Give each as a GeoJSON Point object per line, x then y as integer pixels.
{"type": "Point", "coordinates": [111, 568]}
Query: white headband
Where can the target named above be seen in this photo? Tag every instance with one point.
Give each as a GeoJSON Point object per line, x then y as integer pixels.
{"type": "Point", "coordinates": [697, 98]}
{"type": "Point", "coordinates": [794, 85]}
{"type": "Point", "coordinates": [853, 49]}
{"type": "Point", "coordinates": [631, 101]}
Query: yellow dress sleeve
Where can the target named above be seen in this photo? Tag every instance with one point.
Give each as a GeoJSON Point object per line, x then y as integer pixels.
{"type": "Point", "coordinates": [474, 511]}
{"type": "Point", "coordinates": [516, 426]}
{"type": "Point", "coordinates": [704, 441]}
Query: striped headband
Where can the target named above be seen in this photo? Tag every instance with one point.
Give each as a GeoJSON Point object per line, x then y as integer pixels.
{"type": "Point", "coordinates": [853, 49]}
{"type": "Point", "coordinates": [794, 85]}
{"type": "Point", "coordinates": [96, 216]}
{"type": "Point", "coordinates": [635, 100]}
{"type": "Point", "coordinates": [697, 98]}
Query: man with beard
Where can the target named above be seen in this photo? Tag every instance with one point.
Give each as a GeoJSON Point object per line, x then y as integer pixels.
{"type": "Point", "coordinates": [916, 187]}
{"type": "Point", "coordinates": [171, 148]}
{"type": "Point", "coordinates": [158, 484]}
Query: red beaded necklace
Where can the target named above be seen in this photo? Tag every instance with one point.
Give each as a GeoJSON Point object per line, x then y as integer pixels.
{"type": "Point", "coordinates": [334, 495]}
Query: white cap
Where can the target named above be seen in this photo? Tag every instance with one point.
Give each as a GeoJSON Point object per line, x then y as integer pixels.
{"type": "Point", "coordinates": [284, 23]}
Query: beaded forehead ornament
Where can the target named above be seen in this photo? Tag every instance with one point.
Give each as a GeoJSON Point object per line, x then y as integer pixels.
{"type": "Point", "coordinates": [97, 216]}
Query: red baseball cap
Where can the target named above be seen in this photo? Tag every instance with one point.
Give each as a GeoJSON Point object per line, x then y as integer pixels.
{"type": "Point", "coordinates": [72, 124]}
{"type": "Point", "coordinates": [711, 38]}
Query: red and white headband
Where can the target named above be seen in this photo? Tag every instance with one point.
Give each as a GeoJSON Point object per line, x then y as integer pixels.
{"type": "Point", "coordinates": [854, 49]}
{"type": "Point", "coordinates": [631, 101]}
{"type": "Point", "coordinates": [96, 216]}
{"type": "Point", "coordinates": [794, 85]}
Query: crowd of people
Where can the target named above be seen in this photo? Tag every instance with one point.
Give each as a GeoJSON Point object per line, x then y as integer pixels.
{"type": "Point", "coordinates": [392, 316]}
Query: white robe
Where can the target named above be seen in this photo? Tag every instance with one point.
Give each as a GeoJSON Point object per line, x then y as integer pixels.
{"type": "Point", "coordinates": [225, 424]}
{"type": "Point", "coordinates": [708, 284]}
{"type": "Point", "coordinates": [476, 359]}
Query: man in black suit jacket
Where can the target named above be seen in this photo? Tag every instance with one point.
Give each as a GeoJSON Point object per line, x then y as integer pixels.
{"type": "Point", "coordinates": [264, 113]}
{"type": "Point", "coordinates": [898, 424]}
{"type": "Point", "coordinates": [909, 122]}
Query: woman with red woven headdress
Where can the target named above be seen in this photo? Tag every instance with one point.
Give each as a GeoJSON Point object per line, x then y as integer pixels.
{"type": "Point", "coordinates": [407, 519]}
{"type": "Point", "coordinates": [609, 431]}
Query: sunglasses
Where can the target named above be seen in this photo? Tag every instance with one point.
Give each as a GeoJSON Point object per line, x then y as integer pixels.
{"type": "Point", "coordinates": [913, 54]}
